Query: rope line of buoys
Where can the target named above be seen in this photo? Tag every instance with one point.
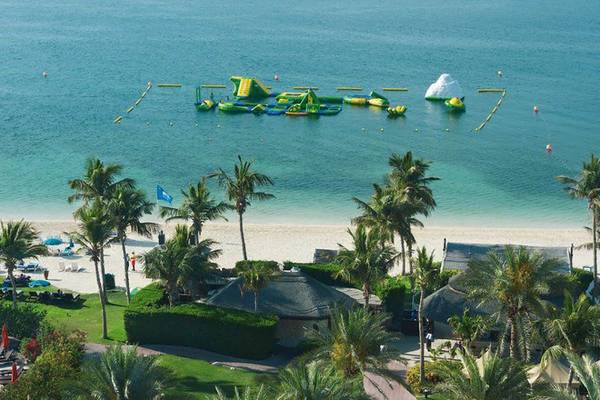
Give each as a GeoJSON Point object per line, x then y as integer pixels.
{"type": "Point", "coordinates": [349, 88]}
{"type": "Point", "coordinates": [213, 86]}
{"type": "Point", "coordinates": [495, 108]}
{"type": "Point", "coordinates": [305, 88]}
{"type": "Point", "coordinates": [119, 118]}
{"type": "Point", "coordinates": [169, 85]}
{"type": "Point", "coordinates": [395, 89]}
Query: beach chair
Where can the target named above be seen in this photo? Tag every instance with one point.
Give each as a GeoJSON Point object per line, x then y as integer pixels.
{"type": "Point", "coordinates": [61, 266]}
{"type": "Point", "coordinates": [72, 268]}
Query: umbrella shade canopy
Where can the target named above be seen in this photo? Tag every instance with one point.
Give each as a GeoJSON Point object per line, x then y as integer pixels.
{"type": "Point", "coordinates": [5, 340]}
{"type": "Point", "coordinates": [291, 295]}
{"type": "Point", "coordinates": [53, 241]}
{"type": "Point", "coordinates": [554, 372]}
{"type": "Point", "coordinates": [14, 373]}
{"type": "Point", "coordinates": [39, 283]}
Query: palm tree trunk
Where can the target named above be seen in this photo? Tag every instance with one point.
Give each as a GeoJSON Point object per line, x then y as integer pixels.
{"type": "Point", "coordinates": [366, 295]}
{"type": "Point", "coordinates": [421, 340]}
{"type": "Point", "coordinates": [103, 277]}
{"type": "Point", "coordinates": [570, 381]}
{"type": "Point", "coordinates": [126, 268]}
{"type": "Point", "coordinates": [102, 301]}
{"type": "Point", "coordinates": [410, 264]}
{"type": "Point", "coordinates": [10, 268]}
{"type": "Point", "coordinates": [594, 244]}
{"type": "Point", "coordinates": [242, 236]}
{"type": "Point", "coordinates": [514, 338]}
{"type": "Point", "coordinates": [255, 302]}
{"type": "Point", "coordinates": [403, 256]}
{"type": "Point", "coordinates": [503, 342]}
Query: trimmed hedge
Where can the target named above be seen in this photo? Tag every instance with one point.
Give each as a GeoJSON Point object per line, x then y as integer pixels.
{"type": "Point", "coordinates": [247, 264]}
{"type": "Point", "coordinates": [225, 331]}
{"type": "Point", "coordinates": [392, 293]}
{"type": "Point", "coordinates": [325, 273]}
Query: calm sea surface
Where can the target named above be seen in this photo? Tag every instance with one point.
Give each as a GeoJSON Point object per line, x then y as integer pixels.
{"type": "Point", "coordinates": [100, 54]}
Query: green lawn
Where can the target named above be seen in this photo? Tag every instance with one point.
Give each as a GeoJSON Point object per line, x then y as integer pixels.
{"type": "Point", "coordinates": [192, 379]}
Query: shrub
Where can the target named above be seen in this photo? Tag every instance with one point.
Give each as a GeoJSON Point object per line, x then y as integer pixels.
{"type": "Point", "coordinates": [431, 376]}
{"type": "Point", "coordinates": [109, 280]}
{"type": "Point", "coordinates": [247, 264]}
{"type": "Point", "coordinates": [392, 292]}
{"type": "Point", "coordinates": [324, 273]}
{"type": "Point", "coordinates": [580, 281]}
{"type": "Point", "coordinates": [152, 295]}
{"type": "Point", "coordinates": [22, 323]}
{"type": "Point", "coordinates": [225, 331]}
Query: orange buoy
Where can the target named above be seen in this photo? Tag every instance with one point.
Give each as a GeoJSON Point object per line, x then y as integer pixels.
{"type": "Point", "coordinates": [536, 109]}
{"type": "Point", "coordinates": [548, 148]}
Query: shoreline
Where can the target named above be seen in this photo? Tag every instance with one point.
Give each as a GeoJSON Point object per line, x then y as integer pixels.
{"type": "Point", "coordinates": [288, 242]}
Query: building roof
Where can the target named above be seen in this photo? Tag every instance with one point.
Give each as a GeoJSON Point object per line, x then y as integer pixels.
{"type": "Point", "coordinates": [291, 295]}
{"type": "Point", "coordinates": [457, 255]}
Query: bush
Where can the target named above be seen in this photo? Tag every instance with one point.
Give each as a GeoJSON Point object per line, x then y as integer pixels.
{"type": "Point", "coordinates": [392, 292]}
{"type": "Point", "coordinates": [324, 273]}
{"type": "Point", "coordinates": [152, 295]}
{"type": "Point", "coordinates": [247, 264]}
{"type": "Point", "coordinates": [431, 376]}
{"type": "Point", "coordinates": [580, 281]}
{"type": "Point", "coordinates": [225, 331]}
{"type": "Point", "coordinates": [22, 323]}
{"type": "Point", "coordinates": [109, 280]}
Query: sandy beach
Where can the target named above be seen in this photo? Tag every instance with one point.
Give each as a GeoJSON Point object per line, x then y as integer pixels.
{"type": "Point", "coordinates": [287, 242]}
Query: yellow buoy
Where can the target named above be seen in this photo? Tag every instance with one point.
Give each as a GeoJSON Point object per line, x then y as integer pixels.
{"type": "Point", "coordinates": [305, 88]}
{"type": "Point", "coordinates": [395, 89]}
{"type": "Point", "coordinates": [138, 101]}
{"type": "Point", "coordinates": [213, 86]}
{"type": "Point", "coordinates": [130, 109]}
{"type": "Point", "coordinates": [350, 88]}
{"type": "Point", "coordinates": [118, 119]}
{"type": "Point", "coordinates": [170, 85]}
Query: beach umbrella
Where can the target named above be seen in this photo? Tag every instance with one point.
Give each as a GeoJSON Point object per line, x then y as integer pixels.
{"type": "Point", "coordinates": [14, 373]}
{"type": "Point", "coordinates": [52, 241]}
{"type": "Point", "coordinates": [5, 341]}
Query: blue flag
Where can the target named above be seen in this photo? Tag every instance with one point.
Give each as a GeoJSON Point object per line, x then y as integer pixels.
{"type": "Point", "coordinates": [161, 194]}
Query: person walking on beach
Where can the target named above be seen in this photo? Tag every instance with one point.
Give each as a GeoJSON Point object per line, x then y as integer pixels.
{"type": "Point", "coordinates": [132, 260]}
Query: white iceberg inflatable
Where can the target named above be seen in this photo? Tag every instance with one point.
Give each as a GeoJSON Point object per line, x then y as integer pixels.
{"type": "Point", "coordinates": [444, 88]}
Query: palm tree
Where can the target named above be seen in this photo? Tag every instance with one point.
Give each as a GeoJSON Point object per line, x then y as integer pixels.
{"type": "Point", "coordinates": [256, 277]}
{"type": "Point", "coordinates": [368, 263]}
{"type": "Point", "coordinates": [310, 382]}
{"type": "Point", "coordinates": [247, 394]}
{"type": "Point", "coordinates": [356, 340]}
{"type": "Point", "coordinates": [514, 281]}
{"type": "Point", "coordinates": [377, 214]}
{"type": "Point", "coordinates": [122, 374]}
{"type": "Point", "coordinates": [574, 327]}
{"type": "Point", "coordinates": [198, 206]}
{"type": "Point", "coordinates": [98, 182]}
{"type": "Point", "coordinates": [127, 206]}
{"type": "Point", "coordinates": [490, 378]}
{"type": "Point", "coordinates": [178, 260]}
{"type": "Point", "coordinates": [241, 190]}
{"type": "Point", "coordinates": [408, 184]}
{"type": "Point", "coordinates": [17, 242]}
{"type": "Point", "coordinates": [467, 328]}
{"type": "Point", "coordinates": [94, 234]}
{"type": "Point", "coordinates": [424, 274]}
{"type": "Point", "coordinates": [587, 186]}
{"type": "Point", "coordinates": [588, 373]}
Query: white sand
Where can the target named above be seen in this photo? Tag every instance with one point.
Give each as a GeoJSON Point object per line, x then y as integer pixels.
{"type": "Point", "coordinates": [289, 242]}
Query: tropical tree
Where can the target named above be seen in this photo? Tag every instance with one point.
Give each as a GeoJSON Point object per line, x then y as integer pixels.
{"type": "Point", "coordinates": [122, 374]}
{"type": "Point", "coordinates": [574, 328]}
{"type": "Point", "coordinates": [588, 373]}
{"type": "Point", "coordinates": [489, 378]}
{"type": "Point", "coordinates": [18, 242]}
{"type": "Point", "coordinates": [247, 394]}
{"type": "Point", "coordinates": [514, 282]}
{"type": "Point", "coordinates": [94, 233]}
{"type": "Point", "coordinates": [377, 214]}
{"type": "Point", "coordinates": [128, 206]}
{"type": "Point", "coordinates": [241, 190]}
{"type": "Point", "coordinates": [198, 206]}
{"type": "Point", "coordinates": [99, 181]}
{"type": "Point", "coordinates": [312, 382]}
{"type": "Point", "coordinates": [178, 260]}
{"type": "Point", "coordinates": [587, 186]}
{"type": "Point", "coordinates": [425, 273]}
{"type": "Point", "coordinates": [408, 184]}
{"type": "Point", "coordinates": [466, 327]}
{"type": "Point", "coordinates": [356, 340]}
{"type": "Point", "coordinates": [255, 277]}
{"type": "Point", "coordinates": [368, 262]}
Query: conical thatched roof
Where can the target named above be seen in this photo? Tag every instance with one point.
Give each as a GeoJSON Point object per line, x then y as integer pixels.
{"type": "Point", "coordinates": [291, 295]}
{"type": "Point", "coordinates": [553, 371]}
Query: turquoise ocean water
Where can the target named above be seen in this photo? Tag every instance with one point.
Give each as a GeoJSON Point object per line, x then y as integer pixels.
{"type": "Point", "coordinates": [100, 54]}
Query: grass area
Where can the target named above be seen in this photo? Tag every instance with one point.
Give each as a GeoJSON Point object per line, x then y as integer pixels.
{"type": "Point", "coordinates": [196, 378]}
{"type": "Point", "coordinates": [192, 379]}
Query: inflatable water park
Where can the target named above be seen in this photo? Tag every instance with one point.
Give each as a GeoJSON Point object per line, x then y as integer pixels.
{"type": "Point", "coordinates": [251, 96]}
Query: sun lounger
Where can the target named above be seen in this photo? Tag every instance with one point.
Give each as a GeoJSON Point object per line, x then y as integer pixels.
{"type": "Point", "coordinates": [61, 266]}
